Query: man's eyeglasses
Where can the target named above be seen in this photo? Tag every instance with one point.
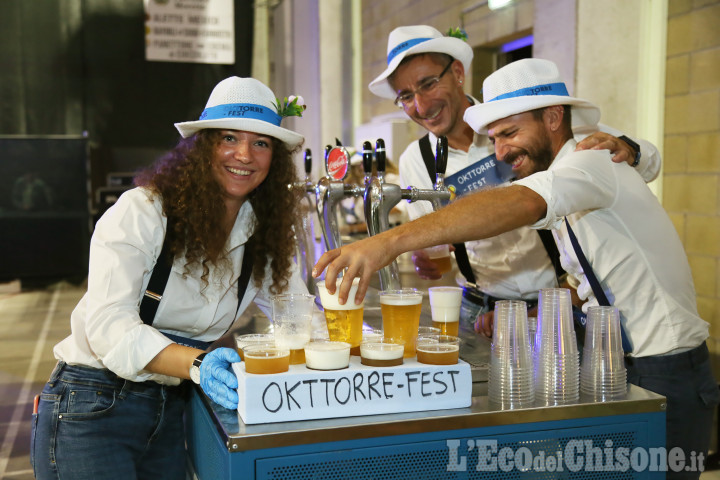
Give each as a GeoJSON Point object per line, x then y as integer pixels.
{"type": "Point", "coordinates": [406, 99]}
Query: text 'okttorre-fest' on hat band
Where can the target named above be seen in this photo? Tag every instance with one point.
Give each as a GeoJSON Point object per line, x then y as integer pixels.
{"type": "Point", "coordinates": [547, 89]}
{"type": "Point", "coordinates": [244, 110]}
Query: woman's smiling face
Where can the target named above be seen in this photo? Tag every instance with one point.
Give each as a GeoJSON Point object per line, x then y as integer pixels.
{"type": "Point", "coordinates": [241, 162]}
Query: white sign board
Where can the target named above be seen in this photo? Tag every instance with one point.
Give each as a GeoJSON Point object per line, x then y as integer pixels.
{"type": "Point", "coordinates": [190, 31]}
{"type": "Point", "coordinates": [304, 394]}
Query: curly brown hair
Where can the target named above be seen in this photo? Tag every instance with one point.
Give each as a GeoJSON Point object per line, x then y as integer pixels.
{"type": "Point", "coordinates": [194, 204]}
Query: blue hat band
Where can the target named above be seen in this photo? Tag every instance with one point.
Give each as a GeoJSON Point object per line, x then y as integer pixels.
{"type": "Point", "coordinates": [241, 110]}
{"type": "Point", "coordinates": [547, 89]}
{"type": "Point", "coordinates": [404, 46]}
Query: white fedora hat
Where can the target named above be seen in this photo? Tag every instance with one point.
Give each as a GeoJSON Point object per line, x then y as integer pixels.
{"type": "Point", "coordinates": [242, 104]}
{"type": "Point", "coordinates": [522, 86]}
{"type": "Point", "coordinates": [413, 39]}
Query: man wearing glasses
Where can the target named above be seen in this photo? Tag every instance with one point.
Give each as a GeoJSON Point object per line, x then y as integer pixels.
{"type": "Point", "coordinates": [425, 75]}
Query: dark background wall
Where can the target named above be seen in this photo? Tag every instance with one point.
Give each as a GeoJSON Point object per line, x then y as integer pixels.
{"type": "Point", "coordinates": [77, 67]}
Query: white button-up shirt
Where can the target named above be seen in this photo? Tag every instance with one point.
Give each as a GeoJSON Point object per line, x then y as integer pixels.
{"type": "Point", "coordinates": [630, 243]}
{"type": "Point", "coordinates": [513, 265]}
{"type": "Point", "coordinates": [107, 331]}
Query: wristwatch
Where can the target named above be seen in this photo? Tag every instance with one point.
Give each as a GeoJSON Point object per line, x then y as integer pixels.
{"type": "Point", "coordinates": [635, 147]}
{"type": "Point", "coordinates": [195, 368]}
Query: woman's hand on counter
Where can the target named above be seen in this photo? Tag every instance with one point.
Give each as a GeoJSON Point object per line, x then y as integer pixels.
{"type": "Point", "coordinates": [217, 379]}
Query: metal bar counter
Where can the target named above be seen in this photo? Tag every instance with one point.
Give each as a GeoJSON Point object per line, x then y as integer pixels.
{"type": "Point", "coordinates": [240, 437]}
{"type": "Point", "coordinates": [429, 444]}
{"type": "Point", "coordinates": [422, 445]}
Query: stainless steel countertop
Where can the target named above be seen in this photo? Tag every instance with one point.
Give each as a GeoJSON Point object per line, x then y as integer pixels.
{"type": "Point", "coordinates": [475, 350]}
{"type": "Point", "coordinates": [239, 437]}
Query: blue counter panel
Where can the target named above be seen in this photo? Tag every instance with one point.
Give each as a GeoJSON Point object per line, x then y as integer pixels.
{"type": "Point", "coordinates": [514, 451]}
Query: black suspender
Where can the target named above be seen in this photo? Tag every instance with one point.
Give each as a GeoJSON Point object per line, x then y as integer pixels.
{"type": "Point", "coordinates": [156, 285]}
{"type": "Point", "coordinates": [461, 255]}
{"type": "Point", "coordinates": [245, 271]}
{"type": "Point", "coordinates": [161, 273]}
{"type": "Point", "coordinates": [551, 248]}
{"type": "Point", "coordinates": [594, 283]}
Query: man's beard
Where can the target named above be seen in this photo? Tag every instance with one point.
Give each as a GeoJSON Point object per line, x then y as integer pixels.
{"type": "Point", "coordinates": [540, 156]}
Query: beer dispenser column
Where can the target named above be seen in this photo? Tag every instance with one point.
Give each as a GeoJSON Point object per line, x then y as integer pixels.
{"type": "Point", "coordinates": [330, 190]}
{"type": "Point", "coordinates": [440, 195]}
{"type": "Point", "coordinates": [304, 230]}
{"type": "Point", "coordinates": [380, 198]}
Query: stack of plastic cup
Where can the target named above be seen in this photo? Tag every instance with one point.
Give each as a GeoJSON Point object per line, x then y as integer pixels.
{"type": "Point", "coordinates": [532, 328]}
{"type": "Point", "coordinates": [602, 373]}
{"type": "Point", "coordinates": [556, 357]}
{"type": "Point", "coordinates": [510, 378]}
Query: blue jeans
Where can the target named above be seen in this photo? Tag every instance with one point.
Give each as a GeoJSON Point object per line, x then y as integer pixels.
{"type": "Point", "coordinates": [92, 425]}
{"type": "Point", "coordinates": [686, 380]}
{"type": "Point", "coordinates": [469, 312]}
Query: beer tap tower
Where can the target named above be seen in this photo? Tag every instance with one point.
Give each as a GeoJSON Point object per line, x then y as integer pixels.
{"type": "Point", "coordinates": [331, 190]}
{"type": "Point", "coordinates": [381, 197]}
{"type": "Point", "coordinates": [304, 230]}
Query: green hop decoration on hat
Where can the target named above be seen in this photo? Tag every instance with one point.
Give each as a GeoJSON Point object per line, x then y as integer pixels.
{"type": "Point", "coordinates": [457, 32]}
{"type": "Point", "coordinates": [292, 106]}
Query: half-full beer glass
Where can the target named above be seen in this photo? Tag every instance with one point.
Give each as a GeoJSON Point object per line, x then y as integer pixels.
{"type": "Point", "coordinates": [292, 323]}
{"type": "Point", "coordinates": [440, 256]}
{"type": "Point", "coordinates": [344, 322]}
{"type": "Point", "coordinates": [400, 311]}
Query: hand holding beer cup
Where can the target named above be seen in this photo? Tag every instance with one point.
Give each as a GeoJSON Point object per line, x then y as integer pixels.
{"type": "Point", "coordinates": [344, 322]}
{"type": "Point", "coordinates": [432, 262]}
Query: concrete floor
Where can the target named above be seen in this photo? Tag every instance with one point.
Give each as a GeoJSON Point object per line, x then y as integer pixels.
{"type": "Point", "coordinates": [32, 322]}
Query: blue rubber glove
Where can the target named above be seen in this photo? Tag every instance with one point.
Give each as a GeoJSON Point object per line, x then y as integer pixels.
{"type": "Point", "coordinates": [217, 378]}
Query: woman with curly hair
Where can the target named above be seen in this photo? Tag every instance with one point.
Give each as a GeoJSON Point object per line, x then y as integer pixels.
{"type": "Point", "coordinates": [172, 264]}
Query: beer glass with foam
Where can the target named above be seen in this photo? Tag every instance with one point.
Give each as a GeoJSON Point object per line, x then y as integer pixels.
{"type": "Point", "coordinates": [445, 306]}
{"type": "Point", "coordinates": [243, 341]}
{"type": "Point", "coordinates": [292, 323]}
{"type": "Point", "coordinates": [400, 311]}
{"type": "Point", "coordinates": [438, 350]}
{"type": "Point", "coordinates": [266, 358]}
{"type": "Point", "coordinates": [344, 322]}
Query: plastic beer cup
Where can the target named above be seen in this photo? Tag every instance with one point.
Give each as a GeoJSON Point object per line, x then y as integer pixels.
{"type": "Point", "coordinates": [292, 323]}
{"type": "Point", "coordinates": [400, 311]}
{"type": "Point", "coordinates": [439, 255]}
{"type": "Point", "coordinates": [242, 341]}
{"type": "Point", "coordinates": [438, 350]}
{"type": "Point", "coordinates": [344, 322]}
{"type": "Point", "coordinates": [445, 306]}
{"type": "Point", "coordinates": [382, 353]}
{"type": "Point", "coordinates": [266, 358]}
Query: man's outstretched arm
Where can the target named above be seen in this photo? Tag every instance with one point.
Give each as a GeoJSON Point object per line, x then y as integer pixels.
{"type": "Point", "coordinates": [480, 215]}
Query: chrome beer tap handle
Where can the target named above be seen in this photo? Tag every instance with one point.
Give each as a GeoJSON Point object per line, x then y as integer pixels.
{"type": "Point", "coordinates": [380, 158]}
{"type": "Point", "coordinates": [379, 199]}
{"type": "Point", "coordinates": [440, 194]}
{"type": "Point", "coordinates": [308, 170]}
{"type": "Point", "coordinates": [441, 156]}
{"type": "Point", "coordinates": [326, 208]}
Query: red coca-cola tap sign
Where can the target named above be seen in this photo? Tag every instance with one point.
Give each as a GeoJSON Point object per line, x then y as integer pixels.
{"type": "Point", "coordinates": [336, 163]}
